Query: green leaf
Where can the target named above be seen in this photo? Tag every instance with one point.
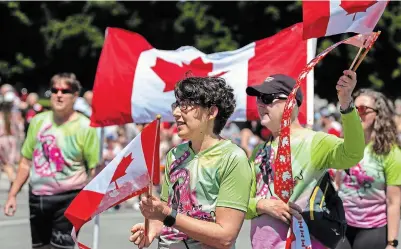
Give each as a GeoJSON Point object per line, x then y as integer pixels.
{"type": "Point", "coordinates": [22, 17]}
{"type": "Point", "coordinates": [396, 73]}
{"type": "Point", "coordinates": [13, 5]}
{"type": "Point", "coordinates": [134, 20]}
{"type": "Point", "coordinates": [56, 31]}
{"type": "Point", "coordinates": [17, 13]}
{"type": "Point", "coordinates": [24, 62]}
{"type": "Point", "coordinates": [211, 34]}
{"type": "Point", "coordinates": [375, 81]}
{"type": "Point", "coordinates": [274, 12]}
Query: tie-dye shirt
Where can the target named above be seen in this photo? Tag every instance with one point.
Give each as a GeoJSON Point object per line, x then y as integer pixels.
{"type": "Point", "coordinates": [363, 190]}
{"type": "Point", "coordinates": [61, 154]}
{"type": "Point", "coordinates": [312, 153]}
{"type": "Point", "coordinates": [195, 184]}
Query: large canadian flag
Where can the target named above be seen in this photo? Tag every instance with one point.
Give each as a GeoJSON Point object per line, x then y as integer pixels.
{"type": "Point", "coordinates": [331, 17]}
{"type": "Point", "coordinates": [135, 81]}
{"type": "Point", "coordinates": [127, 175]}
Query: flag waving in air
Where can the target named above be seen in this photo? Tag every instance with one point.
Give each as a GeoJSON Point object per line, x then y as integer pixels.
{"type": "Point", "coordinates": [331, 17]}
{"type": "Point", "coordinates": [127, 175]}
{"type": "Point", "coordinates": [135, 81]}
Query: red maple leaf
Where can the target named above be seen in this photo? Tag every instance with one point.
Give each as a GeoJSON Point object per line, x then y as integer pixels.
{"type": "Point", "coordinates": [121, 168]}
{"type": "Point", "coordinates": [171, 73]}
{"type": "Point", "coordinates": [353, 7]}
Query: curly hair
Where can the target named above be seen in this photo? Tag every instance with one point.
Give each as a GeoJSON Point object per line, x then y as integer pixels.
{"type": "Point", "coordinates": [207, 92]}
{"type": "Point", "coordinates": [384, 126]}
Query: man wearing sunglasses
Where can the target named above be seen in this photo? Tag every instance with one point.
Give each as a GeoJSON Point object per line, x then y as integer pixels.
{"type": "Point", "coordinates": [313, 153]}
{"type": "Point", "coordinates": [59, 151]}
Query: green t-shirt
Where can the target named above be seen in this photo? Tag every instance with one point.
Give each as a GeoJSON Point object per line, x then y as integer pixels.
{"type": "Point", "coordinates": [312, 153]}
{"type": "Point", "coordinates": [195, 184]}
{"type": "Point", "coordinates": [61, 154]}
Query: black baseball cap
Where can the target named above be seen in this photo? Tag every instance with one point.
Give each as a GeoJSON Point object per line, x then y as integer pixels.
{"type": "Point", "coordinates": [276, 84]}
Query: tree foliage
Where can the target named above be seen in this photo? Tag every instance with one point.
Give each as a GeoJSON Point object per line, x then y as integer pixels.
{"type": "Point", "coordinates": [43, 38]}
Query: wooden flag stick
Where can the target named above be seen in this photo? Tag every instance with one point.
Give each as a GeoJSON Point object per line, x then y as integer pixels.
{"type": "Point", "coordinates": [150, 188]}
{"type": "Point", "coordinates": [356, 58]}
{"type": "Point", "coordinates": [364, 55]}
{"type": "Point", "coordinates": [360, 60]}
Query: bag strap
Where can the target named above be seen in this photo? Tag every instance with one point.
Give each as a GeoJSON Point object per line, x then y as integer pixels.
{"type": "Point", "coordinates": [266, 158]}
{"type": "Point", "coordinates": [185, 243]}
{"type": "Point", "coordinates": [265, 166]}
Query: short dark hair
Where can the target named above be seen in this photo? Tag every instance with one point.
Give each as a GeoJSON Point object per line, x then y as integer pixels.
{"type": "Point", "coordinates": [69, 78]}
{"type": "Point", "coordinates": [207, 92]}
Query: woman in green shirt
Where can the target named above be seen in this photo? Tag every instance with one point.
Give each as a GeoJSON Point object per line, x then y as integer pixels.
{"type": "Point", "coordinates": [207, 179]}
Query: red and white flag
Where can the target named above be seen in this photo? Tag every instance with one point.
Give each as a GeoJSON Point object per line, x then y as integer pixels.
{"type": "Point", "coordinates": [330, 17]}
{"type": "Point", "coordinates": [126, 176]}
{"type": "Point", "coordinates": [135, 81]}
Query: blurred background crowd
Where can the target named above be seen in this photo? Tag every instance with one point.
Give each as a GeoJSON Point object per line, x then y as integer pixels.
{"type": "Point", "coordinates": [18, 106]}
{"type": "Point", "coordinates": [68, 36]}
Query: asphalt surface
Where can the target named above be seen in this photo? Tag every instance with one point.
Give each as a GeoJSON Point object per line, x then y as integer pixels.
{"type": "Point", "coordinates": [114, 228]}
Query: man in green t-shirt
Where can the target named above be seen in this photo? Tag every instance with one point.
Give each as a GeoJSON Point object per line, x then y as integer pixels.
{"type": "Point", "coordinates": [312, 153]}
{"type": "Point", "coordinates": [206, 186]}
{"type": "Point", "coordinates": [59, 151]}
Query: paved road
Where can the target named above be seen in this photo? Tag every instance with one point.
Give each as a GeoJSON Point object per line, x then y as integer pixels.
{"type": "Point", "coordinates": [114, 227]}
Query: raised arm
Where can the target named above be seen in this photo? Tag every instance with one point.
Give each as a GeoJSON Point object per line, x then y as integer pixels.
{"type": "Point", "coordinates": [331, 152]}
{"type": "Point", "coordinates": [337, 153]}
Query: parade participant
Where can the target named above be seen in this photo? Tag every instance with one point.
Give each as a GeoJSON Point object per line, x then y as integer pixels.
{"type": "Point", "coordinates": [59, 150]}
{"type": "Point", "coordinates": [205, 192]}
{"type": "Point", "coordinates": [312, 154]}
{"type": "Point", "coordinates": [10, 131]}
{"type": "Point", "coordinates": [371, 190]}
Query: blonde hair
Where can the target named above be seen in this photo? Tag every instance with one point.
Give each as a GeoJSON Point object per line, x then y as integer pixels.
{"type": "Point", "coordinates": [68, 78]}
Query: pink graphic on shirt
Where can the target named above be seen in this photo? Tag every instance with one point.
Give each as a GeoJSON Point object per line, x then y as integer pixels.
{"type": "Point", "coordinates": [184, 199]}
{"type": "Point", "coordinates": [48, 154]}
{"type": "Point", "coordinates": [362, 179]}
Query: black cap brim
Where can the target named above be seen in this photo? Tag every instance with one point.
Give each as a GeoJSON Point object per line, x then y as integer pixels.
{"type": "Point", "coordinates": [261, 89]}
{"type": "Point", "coordinates": [252, 91]}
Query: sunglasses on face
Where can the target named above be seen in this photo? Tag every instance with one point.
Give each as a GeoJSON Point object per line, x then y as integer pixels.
{"type": "Point", "coordinates": [63, 90]}
{"type": "Point", "coordinates": [364, 110]}
{"type": "Point", "coordinates": [268, 99]}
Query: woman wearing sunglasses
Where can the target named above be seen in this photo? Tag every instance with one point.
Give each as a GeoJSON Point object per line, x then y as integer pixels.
{"type": "Point", "coordinates": [206, 186]}
{"type": "Point", "coordinates": [313, 153]}
{"type": "Point", "coordinates": [371, 190]}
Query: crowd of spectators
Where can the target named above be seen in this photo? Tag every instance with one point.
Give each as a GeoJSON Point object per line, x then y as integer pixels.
{"type": "Point", "coordinates": [18, 108]}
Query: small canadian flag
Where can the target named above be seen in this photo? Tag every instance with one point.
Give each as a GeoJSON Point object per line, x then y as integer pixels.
{"type": "Point", "coordinates": [127, 175]}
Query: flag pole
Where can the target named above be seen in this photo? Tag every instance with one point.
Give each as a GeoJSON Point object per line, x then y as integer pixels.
{"type": "Point", "coordinates": [150, 189]}
{"type": "Point", "coordinates": [356, 57]}
{"type": "Point", "coordinates": [310, 79]}
{"type": "Point", "coordinates": [363, 55]}
{"type": "Point", "coordinates": [96, 226]}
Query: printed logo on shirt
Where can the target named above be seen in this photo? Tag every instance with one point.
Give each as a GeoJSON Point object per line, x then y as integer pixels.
{"type": "Point", "coordinates": [48, 158]}
{"type": "Point", "coordinates": [184, 198]}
